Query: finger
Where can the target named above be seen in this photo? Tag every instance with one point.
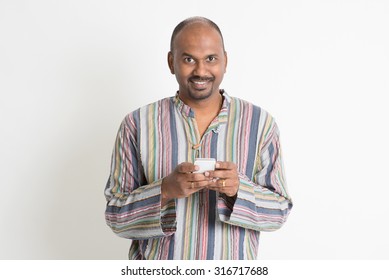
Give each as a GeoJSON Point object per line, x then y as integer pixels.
{"type": "Point", "coordinates": [186, 167]}
{"type": "Point", "coordinates": [197, 177]}
{"type": "Point", "coordinates": [197, 185]}
{"type": "Point", "coordinates": [223, 173]}
{"type": "Point", "coordinates": [225, 165]}
{"type": "Point", "coordinates": [217, 184]}
{"type": "Point", "coordinates": [220, 174]}
{"type": "Point", "coordinates": [223, 183]}
{"type": "Point", "coordinates": [224, 186]}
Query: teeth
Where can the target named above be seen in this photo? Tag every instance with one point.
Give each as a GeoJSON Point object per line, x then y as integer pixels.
{"type": "Point", "coordinates": [200, 83]}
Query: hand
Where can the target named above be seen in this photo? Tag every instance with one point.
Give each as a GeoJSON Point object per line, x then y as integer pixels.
{"type": "Point", "coordinates": [182, 182]}
{"type": "Point", "coordinates": [226, 178]}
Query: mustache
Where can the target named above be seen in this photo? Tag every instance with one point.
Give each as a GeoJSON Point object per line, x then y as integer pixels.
{"type": "Point", "coordinates": [201, 79]}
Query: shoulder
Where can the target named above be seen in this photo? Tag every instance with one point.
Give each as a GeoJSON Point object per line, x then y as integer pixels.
{"type": "Point", "coordinates": [259, 119]}
{"type": "Point", "coordinates": [253, 110]}
{"type": "Point", "coordinates": [135, 117]}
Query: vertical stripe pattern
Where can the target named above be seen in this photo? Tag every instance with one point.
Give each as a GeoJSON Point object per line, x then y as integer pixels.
{"type": "Point", "coordinates": [153, 140]}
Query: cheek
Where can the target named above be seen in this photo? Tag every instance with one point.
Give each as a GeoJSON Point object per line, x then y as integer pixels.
{"type": "Point", "coordinates": [181, 78]}
{"type": "Point", "coordinates": [182, 71]}
{"type": "Point", "coordinates": [219, 73]}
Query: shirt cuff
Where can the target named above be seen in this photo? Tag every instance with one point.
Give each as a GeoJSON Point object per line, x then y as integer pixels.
{"type": "Point", "coordinates": [168, 218]}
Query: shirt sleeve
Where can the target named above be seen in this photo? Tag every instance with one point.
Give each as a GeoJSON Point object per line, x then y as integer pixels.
{"type": "Point", "coordinates": [261, 204]}
{"type": "Point", "coordinates": [133, 205]}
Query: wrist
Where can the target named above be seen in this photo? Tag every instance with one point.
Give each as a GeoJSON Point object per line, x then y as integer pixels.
{"type": "Point", "coordinates": [164, 196]}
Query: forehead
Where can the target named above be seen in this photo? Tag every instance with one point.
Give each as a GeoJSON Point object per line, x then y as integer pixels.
{"type": "Point", "coordinates": [198, 38]}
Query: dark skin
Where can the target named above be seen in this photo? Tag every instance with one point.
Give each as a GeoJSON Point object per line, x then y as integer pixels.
{"type": "Point", "coordinates": [198, 61]}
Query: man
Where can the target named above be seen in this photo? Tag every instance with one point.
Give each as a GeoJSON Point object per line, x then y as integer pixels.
{"type": "Point", "coordinates": [154, 195]}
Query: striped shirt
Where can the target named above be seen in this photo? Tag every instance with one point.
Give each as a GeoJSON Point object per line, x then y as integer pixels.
{"type": "Point", "coordinates": [153, 140]}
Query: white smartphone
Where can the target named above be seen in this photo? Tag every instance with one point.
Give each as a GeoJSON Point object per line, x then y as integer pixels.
{"type": "Point", "coordinates": [205, 164]}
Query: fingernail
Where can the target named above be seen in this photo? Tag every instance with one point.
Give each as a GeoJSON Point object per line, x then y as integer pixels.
{"type": "Point", "coordinates": [206, 173]}
{"type": "Point", "coordinates": [217, 165]}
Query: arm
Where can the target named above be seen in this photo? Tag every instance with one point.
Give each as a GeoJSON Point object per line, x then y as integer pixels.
{"type": "Point", "coordinates": [134, 206]}
{"type": "Point", "coordinates": [264, 203]}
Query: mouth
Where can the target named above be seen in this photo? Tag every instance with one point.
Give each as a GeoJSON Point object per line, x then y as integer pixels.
{"type": "Point", "coordinates": [200, 84]}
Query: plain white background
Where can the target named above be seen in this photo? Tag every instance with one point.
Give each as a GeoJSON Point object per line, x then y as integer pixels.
{"type": "Point", "coordinates": [71, 70]}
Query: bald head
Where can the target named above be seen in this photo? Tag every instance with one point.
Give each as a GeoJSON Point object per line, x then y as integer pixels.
{"type": "Point", "coordinates": [191, 21]}
{"type": "Point", "coordinates": [198, 60]}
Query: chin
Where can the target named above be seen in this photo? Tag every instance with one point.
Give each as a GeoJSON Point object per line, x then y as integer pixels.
{"type": "Point", "coordinates": [200, 95]}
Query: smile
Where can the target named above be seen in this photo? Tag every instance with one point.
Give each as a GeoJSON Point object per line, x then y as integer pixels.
{"type": "Point", "coordinates": [200, 83]}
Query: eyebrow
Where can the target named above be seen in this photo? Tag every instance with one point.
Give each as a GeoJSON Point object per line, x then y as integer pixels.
{"type": "Point", "coordinates": [188, 54]}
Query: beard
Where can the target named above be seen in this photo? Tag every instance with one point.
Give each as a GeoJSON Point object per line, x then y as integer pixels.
{"type": "Point", "coordinates": [197, 92]}
{"type": "Point", "coordinates": [200, 95]}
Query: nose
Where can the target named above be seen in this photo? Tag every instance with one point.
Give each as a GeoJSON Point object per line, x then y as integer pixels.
{"type": "Point", "coordinates": [200, 69]}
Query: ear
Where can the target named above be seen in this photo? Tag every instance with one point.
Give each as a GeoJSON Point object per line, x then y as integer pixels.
{"type": "Point", "coordinates": [170, 62]}
{"type": "Point", "coordinates": [226, 60]}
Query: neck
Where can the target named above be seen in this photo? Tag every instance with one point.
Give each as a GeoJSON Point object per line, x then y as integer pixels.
{"type": "Point", "coordinates": [205, 111]}
{"type": "Point", "coordinates": [206, 106]}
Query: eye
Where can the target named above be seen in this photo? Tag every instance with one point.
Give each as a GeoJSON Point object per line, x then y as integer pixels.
{"type": "Point", "coordinates": [188, 59]}
{"type": "Point", "coordinates": [211, 58]}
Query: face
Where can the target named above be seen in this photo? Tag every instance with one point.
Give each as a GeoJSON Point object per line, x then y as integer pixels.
{"type": "Point", "coordinates": [198, 61]}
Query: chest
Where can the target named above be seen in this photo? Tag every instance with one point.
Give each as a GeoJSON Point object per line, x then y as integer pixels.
{"type": "Point", "coordinates": [169, 140]}
{"type": "Point", "coordinates": [202, 124]}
